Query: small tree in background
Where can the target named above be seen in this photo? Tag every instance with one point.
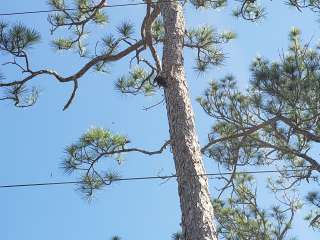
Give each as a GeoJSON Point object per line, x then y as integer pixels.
{"type": "Point", "coordinates": [274, 124]}
{"type": "Point", "coordinates": [240, 216]}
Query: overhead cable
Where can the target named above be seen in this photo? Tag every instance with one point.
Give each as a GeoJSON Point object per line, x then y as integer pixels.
{"type": "Point", "coordinates": [74, 9]}
{"type": "Point", "coordinates": [39, 184]}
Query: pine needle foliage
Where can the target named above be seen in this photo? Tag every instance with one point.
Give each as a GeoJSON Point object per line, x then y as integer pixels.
{"type": "Point", "coordinates": [313, 199]}
{"type": "Point", "coordinates": [77, 22]}
{"type": "Point", "coordinates": [275, 122]}
{"type": "Point", "coordinates": [17, 38]}
{"type": "Point", "coordinates": [92, 153]}
{"type": "Point", "coordinates": [213, 4]}
{"type": "Point", "coordinates": [138, 81]}
{"type": "Point", "coordinates": [240, 217]}
{"type": "Point", "coordinates": [143, 69]}
{"type": "Point", "coordinates": [177, 236]}
{"type": "Point", "coordinates": [115, 238]}
{"type": "Point", "coordinates": [206, 41]}
{"type": "Point", "coordinates": [85, 156]}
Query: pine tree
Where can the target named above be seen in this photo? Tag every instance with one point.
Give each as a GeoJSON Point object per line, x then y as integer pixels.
{"type": "Point", "coordinates": [275, 123]}
{"type": "Point", "coordinates": [156, 75]}
{"type": "Point", "coordinates": [163, 24]}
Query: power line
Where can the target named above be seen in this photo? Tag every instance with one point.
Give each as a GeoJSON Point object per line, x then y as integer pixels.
{"type": "Point", "coordinates": [74, 9]}
{"type": "Point", "coordinates": [142, 178]}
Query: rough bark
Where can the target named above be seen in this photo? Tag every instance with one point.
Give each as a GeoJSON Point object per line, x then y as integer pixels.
{"type": "Point", "coordinates": [195, 202]}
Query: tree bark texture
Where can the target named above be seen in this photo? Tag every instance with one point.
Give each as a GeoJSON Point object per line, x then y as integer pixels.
{"type": "Point", "coordinates": [195, 202]}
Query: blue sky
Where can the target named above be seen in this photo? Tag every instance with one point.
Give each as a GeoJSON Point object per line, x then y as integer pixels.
{"type": "Point", "coordinates": [32, 140]}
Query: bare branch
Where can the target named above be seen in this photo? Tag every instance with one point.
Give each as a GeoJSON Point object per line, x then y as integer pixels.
{"type": "Point", "coordinates": [75, 87]}
{"type": "Point", "coordinates": [241, 134]}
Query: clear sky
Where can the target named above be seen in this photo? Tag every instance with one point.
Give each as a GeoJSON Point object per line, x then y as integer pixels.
{"type": "Point", "coordinates": [32, 140]}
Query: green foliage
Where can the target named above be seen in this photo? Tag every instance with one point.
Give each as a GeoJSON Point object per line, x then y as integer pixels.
{"type": "Point", "coordinates": [253, 10]}
{"type": "Point", "coordinates": [77, 21]}
{"type": "Point", "coordinates": [275, 122]}
{"type": "Point", "coordinates": [313, 5]}
{"type": "Point", "coordinates": [177, 236]}
{"type": "Point", "coordinates": [239, 217]}
{"type": "Point", "coordinates": [22, 95]}
{"type": "Point", "coordinates": [100, 18]}
{"type": "Point", "coordinates": [207, 44]}
{"type": "Point", "coordinates": [313, 198]}
{"type": "Point", "coordinates": [62, 44]}
{"type": "Point", "coordinates": [126, 30]}
{"type": "Point", "coordinates": [214, 4]}
{"type": "Point", "coordinates": [205, 40]}
{"type": "Point", "coordinates": [287, 91]}
{"type": "Point", "coordinates": [85, 155]}
{"type": "Point", "coordinates": [59, 4]}
{"type": "Point", "coordinates": [157, 30]}
{"type": "Point", "coordinates": [17, 38]}
{"type": "Point", "coordinates": [110, 43]}
{"type": "Point", "coordinates": [115, 238]}
{"type": "Point", "coordinates": [137, 81]}
{"type": "Point", "coordinates": [249, 10]}
{"type": "Point", "coordinates": [297, 77]}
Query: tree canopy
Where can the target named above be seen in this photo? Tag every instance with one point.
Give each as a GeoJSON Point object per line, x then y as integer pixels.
{"type": "Point", "coordinates": [275, 123]}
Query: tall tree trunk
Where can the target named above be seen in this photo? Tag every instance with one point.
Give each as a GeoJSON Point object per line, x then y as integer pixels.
{"type": "Point", "coordinates": [195, 202]}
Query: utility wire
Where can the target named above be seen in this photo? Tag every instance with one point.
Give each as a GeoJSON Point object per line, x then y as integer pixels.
{"type": "Point", "coordinates": [143, 178]}
{"type": "Point", "coordinates": [74, 9]}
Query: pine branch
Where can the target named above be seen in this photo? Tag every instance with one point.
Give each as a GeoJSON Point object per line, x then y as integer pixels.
{"type": "Point", "coordinates": [85, 156]}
